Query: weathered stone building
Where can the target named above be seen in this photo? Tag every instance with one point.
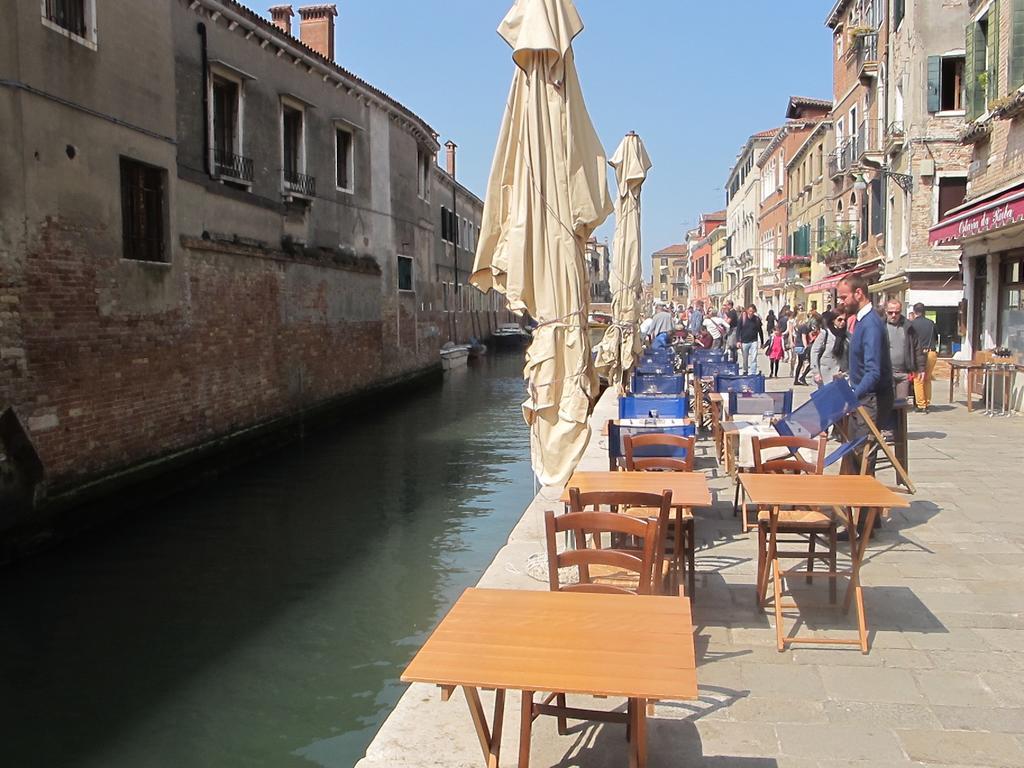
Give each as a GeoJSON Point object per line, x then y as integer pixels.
{"type": "Point", "coordinates": [742, 266]}
{"type": "Point", "coordinates": [925, 168]}
{"type": "Point", "coordinates": [207, 227]}
{"type": "Point", "coordinates": [810, 215]}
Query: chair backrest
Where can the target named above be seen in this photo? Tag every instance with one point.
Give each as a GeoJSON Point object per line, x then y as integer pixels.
{"type": "Point", "coordinates": [658, 383]}
{"type": "Point", "coordinates": [588, 524]}
{"type": "Point", "coordinates": [826, 408]}
{"type": "Point", "coordinates": [706, 356]}
{"type": "Point", "coordinates": [713, 368]}
{"type": "Point", "coordinates": [736, 383]}
{"type": "Point", "coordinates": [666, 406]}
{"type": "Point", "coordinates": [618, 432]}
{"type": "Point", "coordinates": [754, 403]}
{"type": "Point", "coordinates": [786, 457]}
{"type": "Point", "coordinates": [659, 450]}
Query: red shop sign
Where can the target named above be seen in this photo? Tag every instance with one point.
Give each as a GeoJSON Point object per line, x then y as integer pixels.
{"type": "Point", "coordinates": [986, 217]}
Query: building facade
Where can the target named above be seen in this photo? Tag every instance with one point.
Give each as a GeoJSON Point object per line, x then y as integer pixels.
{"type": "Point", "coordinates": [990, 224]}
{"type": "Point", "coordinates": [810, 217]}
{"type": "Point", "coordinates": [774, 253]}
{"type": "Point", "coordinates": [209, 228]}
{"type": "Point", "coordinates": [927, 164]}
{"type": "Point", "coordinates": [599, 267]}
{"type": "Point", "coordinates": [699, 247]}
{"type": "Point", "coordinates": [669, 274]}
{"type": "Point", "coordinates": [859, 47]}
{"type": "Point", "coordinates": [742, 265]}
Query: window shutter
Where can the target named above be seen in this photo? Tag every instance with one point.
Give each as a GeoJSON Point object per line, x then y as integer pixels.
{"type": "Point", "coordinates": [970, 75]}
{"type": "Point", "coordinates": [934, 82]}
{"type": "Point", "coordinates": [993, 59]}
{"type": "Point", "coordinates": [1017, 45]}
{"type": "Point", "coordinates": [897, 13]}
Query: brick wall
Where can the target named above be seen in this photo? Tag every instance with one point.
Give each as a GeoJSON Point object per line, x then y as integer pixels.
{"type": "Point", "coordinates": [102, 387]}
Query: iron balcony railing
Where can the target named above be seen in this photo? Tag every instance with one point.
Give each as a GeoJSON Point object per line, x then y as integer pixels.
{"type": "Point", "coordinates": [231, 165]}
{"type": "Point", "coordinates": [300, 183]}
{"type": "Point", "coordinates": [843, 156]}
{"type": "Point", "coordinates": [67, 14]}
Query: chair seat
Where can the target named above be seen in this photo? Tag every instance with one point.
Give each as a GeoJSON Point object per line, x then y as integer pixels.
{"type": "Point", "coordinates": [620, 577]}
{"type": "Point", "coordinates": [654, 512]}
{"type": "Point", "coordinates": [794, 519]}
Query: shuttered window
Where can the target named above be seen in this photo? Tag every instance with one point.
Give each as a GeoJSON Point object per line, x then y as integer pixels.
{"type": "Point", "coordinates": [934, 82]}
{"type": "Point", "coordinates": [1017, 45]}
{"type": "Point", "coordinates": [992, 57]}
{"type": "Point", "coordinates": [877, 208]}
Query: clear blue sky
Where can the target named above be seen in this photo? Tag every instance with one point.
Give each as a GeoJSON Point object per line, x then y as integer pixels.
{"type": "Point", "coordinates": [693, 78]}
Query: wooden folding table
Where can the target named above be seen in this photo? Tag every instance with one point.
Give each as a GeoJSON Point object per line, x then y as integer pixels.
{"type": "Point", "coordinates": [840, 494]}
{"type": "Point", "coordinates": [689, 489]}
{"type": "Point", "coordinates": [636, 646]}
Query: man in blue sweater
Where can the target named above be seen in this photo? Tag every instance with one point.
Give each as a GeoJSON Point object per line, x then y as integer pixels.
{"type": "Point", "coordinates": [870, 362]}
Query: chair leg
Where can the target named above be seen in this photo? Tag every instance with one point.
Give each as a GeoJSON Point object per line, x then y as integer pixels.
{"type": "Point", "coordinates": [810, 557]}
{"type": "Point", "coordinates": [762, 563]}
{"type": "Point", "coordinates": [832, 564]}
{"type": "Point", "coordinates": [691, 547]}
{"type": "Point", "coordinates": [736, 502]}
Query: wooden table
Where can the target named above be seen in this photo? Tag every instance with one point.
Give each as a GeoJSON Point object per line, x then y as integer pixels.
{"type": "Point", "coordinates": [839, 494]}
{"type": "Point", "coordinates": [636, 646]}
{"type": "Point", "coordinates": [689, 489]}
{"type": "Point", "coordinates": [955, 366]}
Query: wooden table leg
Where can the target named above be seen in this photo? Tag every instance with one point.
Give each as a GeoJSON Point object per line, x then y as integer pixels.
{"type": "Point", "coordinates": [954, 375]}
{"type": "Point", "coordinates": [525, 729]}
{"type": "Point", "coordinates": [970, 391]}
{"type": "Point", "coordinates": [641, 733]}
{"type": "Point", "coordinates": [490, 738]}
{"type": "Point", "coordinates": [854, 591]}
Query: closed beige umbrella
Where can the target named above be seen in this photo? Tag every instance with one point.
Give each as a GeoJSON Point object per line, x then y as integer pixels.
{"type": "Point", "coordinates": [547, 193]}
{"type": "Point", "coordinates": [621, 343]}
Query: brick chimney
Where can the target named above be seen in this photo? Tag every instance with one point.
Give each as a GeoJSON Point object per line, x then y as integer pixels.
{"type": "Point", "coordinates": [451, 146]}
{"type": "Point", "coordinates": [316, 28]}
{"type": "Point", "coordinates": [281, 15]}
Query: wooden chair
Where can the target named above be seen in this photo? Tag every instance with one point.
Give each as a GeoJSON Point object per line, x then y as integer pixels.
{"type": "Point", "coordinates": [806, 527]}
{"type": "Point", "coordinates": [598, 565]}
{"type": "Point", "coordinates": [675, 454]}
{"type": "Point", "coordinates": [603, 570]}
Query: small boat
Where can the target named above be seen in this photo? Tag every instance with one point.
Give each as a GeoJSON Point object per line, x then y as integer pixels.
{"type": "Point", "coordinates": [510, 335]}
{"type": "Point", "coordinates": [454, 356]}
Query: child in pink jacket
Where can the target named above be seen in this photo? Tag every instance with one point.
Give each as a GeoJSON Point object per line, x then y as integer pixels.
{"type": "Point", "coordinates": [776, 351]}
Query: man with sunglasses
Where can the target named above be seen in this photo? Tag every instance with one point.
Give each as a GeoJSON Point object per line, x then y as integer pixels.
{"type": "Point", "coordinates": [904, 349]}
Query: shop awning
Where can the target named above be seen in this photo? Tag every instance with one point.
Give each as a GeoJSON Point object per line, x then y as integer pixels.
{"type": "Point", "coordinates": [979, 217]}
{"type": "Point", "coordinates": [830, 282]}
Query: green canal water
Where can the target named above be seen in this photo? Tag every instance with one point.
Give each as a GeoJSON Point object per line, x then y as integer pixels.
{"type": "Point", "coordinates": [264, 619]}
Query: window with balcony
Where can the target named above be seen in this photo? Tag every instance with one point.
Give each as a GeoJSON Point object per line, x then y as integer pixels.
{"type": "Point", "coordinates": [226, 130]}
{"type": "Point", "coordinates": [73, 18]}
{"type": "Point", "coordinates": [293, 149]}
{"type": "Point", "coordinates": [143, 211]}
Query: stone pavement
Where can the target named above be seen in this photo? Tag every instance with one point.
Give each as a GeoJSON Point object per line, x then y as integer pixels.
{"type": "Point", "coordinates": [943, 684]}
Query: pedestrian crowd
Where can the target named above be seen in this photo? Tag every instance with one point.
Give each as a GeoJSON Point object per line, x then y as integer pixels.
{"type": "Point", "coordinates": [883, 353]}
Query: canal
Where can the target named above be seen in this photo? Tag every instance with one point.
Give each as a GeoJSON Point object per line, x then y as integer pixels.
{"type": "Point", "coordinates": [264, 619]}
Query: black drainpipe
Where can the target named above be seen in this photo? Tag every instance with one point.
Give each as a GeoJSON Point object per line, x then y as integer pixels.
{"type": "Point", "coordinates": [201, 29]}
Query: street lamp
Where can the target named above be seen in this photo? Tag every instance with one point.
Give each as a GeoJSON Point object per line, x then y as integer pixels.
{"type": "Point", "coordinates": [903, 180]}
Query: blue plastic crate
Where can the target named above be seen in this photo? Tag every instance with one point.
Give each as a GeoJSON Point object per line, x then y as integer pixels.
{"type": "Point", "coordinates": [658, 384]}
{"type": "Point", "coordinates": [640, 406]}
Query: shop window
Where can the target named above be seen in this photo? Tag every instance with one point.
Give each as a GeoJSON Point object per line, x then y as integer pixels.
{"type": "Point", "coordinates": [1011, 305]}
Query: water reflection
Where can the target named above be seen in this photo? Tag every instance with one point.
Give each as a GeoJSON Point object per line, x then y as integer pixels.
{"type": "Point", "coordinates": [264, 620]}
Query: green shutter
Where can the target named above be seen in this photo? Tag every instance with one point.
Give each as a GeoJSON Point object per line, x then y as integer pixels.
{"type": "Point", "coordinates": [1017, 45]}
{"type": "Point", "coordinates": [897, 13]}
{"type": "Point", "coordinates": [970, 77]}
{"type": "Point", "coordinates": [934, 82]}
{"type": "Point", "coordinates": [993, 51]}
